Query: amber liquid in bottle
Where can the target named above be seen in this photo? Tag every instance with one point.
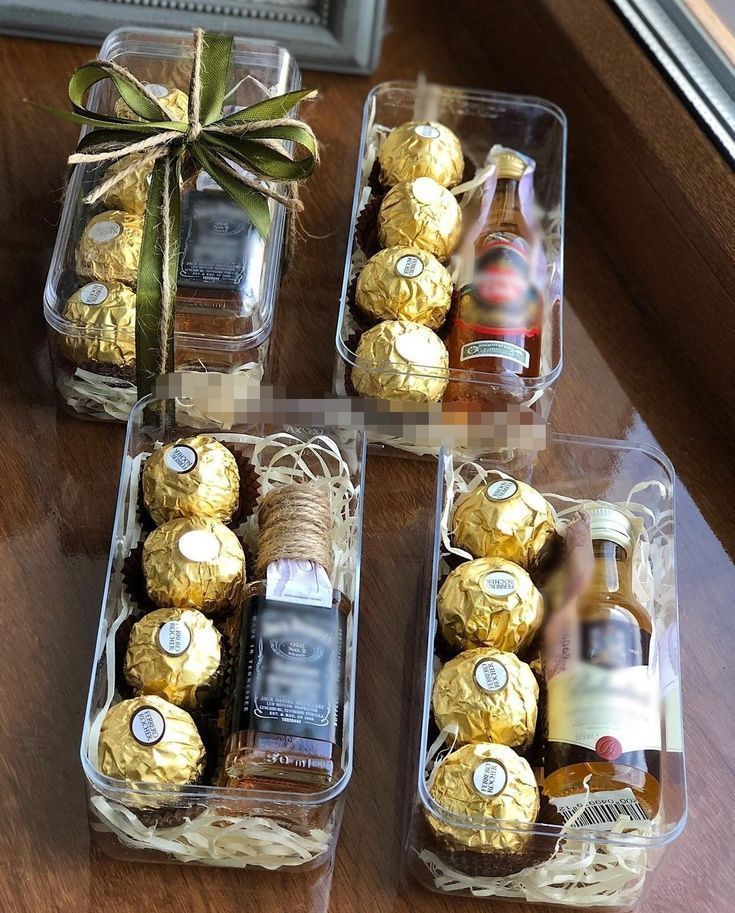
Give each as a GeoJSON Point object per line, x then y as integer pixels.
{"type": "Point", "coordinates": [497, 328]}
{"type": "Point", "coordinates": [604, 722]}
{"type": "Point", "coordinates": [284, 716]}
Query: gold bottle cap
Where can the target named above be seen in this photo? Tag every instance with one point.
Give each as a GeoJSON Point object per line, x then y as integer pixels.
{"type": "Point", "coordinates": [176, 654]}
{"type": "Point", "coordinates": [489, 602]}
{"type": "Point", "coordinates": [423, 214]}
{"type": "Point", "coordinates": [485, 780]}
{"type": "Point", "coordinates": [109, 248]}
{"type": "Point", "coordinates": [504, 518]}
{"type": "Point", "coordinates": [609, 523]}
{"type": "Point", "coordinates": [399, 359]}
{"type": "Point", "coordinates": [173, 101]}
{"type": "Point", "coordinates": [405, 282]}
{"type": "Point", "coordinates": [149, 740]}
{"type": "Point", "coordinates": [421, 149]}
{"type": "Point", "coordinates": [488, 695]}
{"type": "Point", "coordinates": [130, 193]}
{"type": "Point", "coordinates": [510, 165]}
{"type": "Point", "coordinates": [105, 314]}
{"type": "Point", "coordinates": [193, 477]}
{"type": "Point", "coordinates": [194, 563]}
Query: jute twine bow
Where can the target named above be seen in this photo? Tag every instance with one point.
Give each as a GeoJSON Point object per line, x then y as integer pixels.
{"type": "Point", "coordinates": [243, 152]}
{"type": "Point", "coordinates": [295, 522]}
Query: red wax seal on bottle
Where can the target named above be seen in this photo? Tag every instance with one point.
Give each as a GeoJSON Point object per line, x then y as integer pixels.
{"type": "Point", "coordinates": [608, 748]}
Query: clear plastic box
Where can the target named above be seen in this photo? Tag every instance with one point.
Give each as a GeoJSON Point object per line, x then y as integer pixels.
{"type": "Point", "coordinates": [289, 831]}
{"type": "Point", "coordinates": [480, 119]}
{"type": "Point", "coordinates": [586, 867]}
{"type": "Point", "coordinates": [230, 334]}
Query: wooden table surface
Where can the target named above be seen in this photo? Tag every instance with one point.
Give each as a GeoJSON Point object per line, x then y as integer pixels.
{"type": "Point", "coordinates": [58, 479]}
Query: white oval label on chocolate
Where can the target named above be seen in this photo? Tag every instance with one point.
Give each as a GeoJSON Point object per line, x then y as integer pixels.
{"type": "Point", "coordinates": [94, 293]}
{"type": "Point", "coordinates": [426, 131]}
{"type": "Point", "coordinates": [101, 232]}
{"type": "Point", "coordinates": [147, 726]}
{"type": "Point", "coordinates": [411, 347]}
{"type": "Point", "coordinates": [491, 675]}
{"type": "Point", "coordinates": [181, 458]}
{"type": "Point", "coordinates": [409, 267]}
{"type": "Point", "coordinates": [499, 583]}
{"type": "Point", "coordinates": [489, 778]}
{"type": "Point", "coordinates": [501, 490]}
{"type": "Point", "coordinates": [199, 545]}
{"type": "Point", "coordinates": [174, 638]}
{"type": "Point", "coordinates": [156, 89]}
{"type": "Point", "coordinates": [426, 190]}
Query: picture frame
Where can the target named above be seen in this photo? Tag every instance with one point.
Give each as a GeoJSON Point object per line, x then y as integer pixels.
{"type": "Point", "coordinates": [340, 35]}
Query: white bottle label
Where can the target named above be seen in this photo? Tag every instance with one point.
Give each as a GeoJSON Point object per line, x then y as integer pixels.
{"type": "Point", "coordinates": [174, 638]}
{"type": "Point", "coordinates": [489, 778]}
{"type": "Point", "coordinates": [147, 726]}
{"type": "Point", "coordinates": [495, 348]}
{"type": "Point", "coordinates": [499, 583]}
{"type": "Point", "coordinates": [600, 810]}
{"type": "Point", "coordinates": [94, 293]}
{"type": "Point", "coordinates": [199, 545]}
{"type": "Point", "coordinates": [501, 490]}
{"type": "Point", "coordinates": [107, 230]}
{"type": "Point", "coordinates": [409, 267]}
{"type": "Point", "coordinates": [426, 131]}
{"type": "Point", "coordinates": [491, 675]}
{"type": "Point", "coordinates": [608, 711]}
{"type": "Point", "coordinates": [181, 458]}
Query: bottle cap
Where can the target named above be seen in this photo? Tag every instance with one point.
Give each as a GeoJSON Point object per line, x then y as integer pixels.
{"type": "Point", "coordinates": [609, 523]}
{"type": "Point", "coordinates": [510, 165]}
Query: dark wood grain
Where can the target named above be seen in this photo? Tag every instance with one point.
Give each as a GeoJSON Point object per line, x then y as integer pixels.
{"type": "Point", "coordinates": [626, 375]}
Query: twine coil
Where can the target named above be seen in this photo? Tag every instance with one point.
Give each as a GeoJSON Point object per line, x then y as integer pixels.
{"type": "Point", "coordinates": [295, 523]}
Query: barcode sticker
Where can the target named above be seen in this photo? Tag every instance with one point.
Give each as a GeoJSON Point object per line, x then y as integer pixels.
{"type": "Point", "coordinates": [601, 810]}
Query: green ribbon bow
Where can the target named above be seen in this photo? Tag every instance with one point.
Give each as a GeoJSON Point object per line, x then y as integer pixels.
{"type": "Point", "coordinates": [251, 138]}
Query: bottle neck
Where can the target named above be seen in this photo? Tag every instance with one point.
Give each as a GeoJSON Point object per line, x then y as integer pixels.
{"type": "Point", "coordinates": [506, 205]}
{"type": "Point", "coordinates": [613, 570]}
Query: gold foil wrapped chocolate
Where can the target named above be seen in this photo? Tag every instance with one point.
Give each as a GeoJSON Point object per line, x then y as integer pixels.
{"type": "Point", "coordinates": [421, 149]}
{"type": "Point", "coordinates": [105, 315]}
{"type": "Point", "coordinates": [174, 101]}
{"type": "Point", "coordinates": [485, 780]}
{"type": "Point", "coordinates": [149, 740]}
{"type": "Point", "coordinates": [504, 518]}
{"type": "Point", "coordinates": [130, 193]}
{"type": "Point", "coordinates": [421, 214]}
{"type": "Point", "coordinates": [399, 359]}
{"type": "Point", "coordinates": [110, 247]}
{"type": "Point", "coordinates": [489, 602]}
{"type": "Point", "coordinates": [405, 282]}
{"type": "Point", "coordinates": [193, 477]}
{"type": "Point", "coordinates": [194, 563]}
{"type": "Point", "coordinates": [176, 654]}
{"type": "Point", "coordinates": [487, 695]}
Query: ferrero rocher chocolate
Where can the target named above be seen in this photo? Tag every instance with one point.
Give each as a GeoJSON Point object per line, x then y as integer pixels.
{"type": "Point", "coordinates": [193, 477]}
{"type": "Point", "coordinates": [507, 519]}
{"type": "Point", "coordinates": [489, 602]}
{"type": "Point", "coordinates": [485, 780]}
{"type": "Point", "coordinates": [487, 695]}
{"type": "Point", "coordinates": [110, 247]}
{"type": "Point", "coordinates": [405, 282]}
{"type": "Point", "coordinates": [176, 654]}
{"type": "Point", "coordinates": [105, 314]}
{"type": "Point", "coordinates": [421, 214]}
{"type": "Point", "coordinates": [421, 149]}
{"type": "Point", "coordinates": [149, 740]}
{"type": "Point", "coordinates": [399, 359]}
{"type": "Point", "coordinates": [194, 563]}
{"type": "Point", "coordinates": [130, 192]}
{"type": "Point", "coordinates": [174, 101]}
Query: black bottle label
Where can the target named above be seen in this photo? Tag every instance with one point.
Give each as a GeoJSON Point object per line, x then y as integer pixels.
{"type": "Point", "coordinates": [214, 241]}
{"type": "Point", "coordinates": [294, 670]}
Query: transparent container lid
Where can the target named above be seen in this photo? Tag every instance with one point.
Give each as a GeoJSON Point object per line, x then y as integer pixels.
{"type": "Point", "coordinates": [226, 297]}
{"type": "Point", "coordinates": [533, 126]}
